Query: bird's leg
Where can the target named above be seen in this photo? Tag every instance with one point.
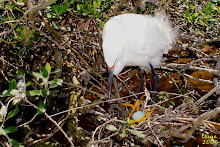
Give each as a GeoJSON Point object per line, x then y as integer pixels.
{"type": "Point", "coordinates": [138, 101]}
{"type": "Point", "coordinates": [110, 73]}
{"type": "Point", "coordinates": [142, 76]}
{"type": "Point", "coordinates": [149, 110]}
{"type": "Point", "coordinates": [156, 77]}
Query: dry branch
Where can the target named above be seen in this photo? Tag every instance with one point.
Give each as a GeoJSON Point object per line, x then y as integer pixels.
{"type": "Point", "coordinates": [207, 95]}
{"type": "Point", "coordinates": [185, 66]}
{"type": "Point", "coordinates": [216, 83]}
{"type": "Point", "coordinates": [17, 3]}
{"type": "Point", "coordinates": [54, 122]}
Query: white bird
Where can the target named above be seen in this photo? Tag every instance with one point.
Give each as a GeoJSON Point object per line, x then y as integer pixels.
{"type": "Point", "coordinates": [136, 40]}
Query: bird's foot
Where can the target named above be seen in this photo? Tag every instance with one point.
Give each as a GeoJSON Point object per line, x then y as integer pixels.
{"type": "Point", "coordinates": [136, 106]}
{"type": "Point", "coordinates": [146, 116]}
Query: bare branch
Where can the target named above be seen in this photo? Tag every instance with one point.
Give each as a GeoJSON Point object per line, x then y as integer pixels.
{"type": "Point", "coordinates": [216, 83]}
{"type": "Point", "coordinates": [207, 95]}
{"type": "Point", "coordinates": [55, 123]}
{"type": "Point", "coordinates": [202, 80]}
{"type": "Point", "coordinates": [17, 3]}
{"type": "Point", "coordinates": [199, 121]}
{"type": "Point", "coordinates": [185, 66]}
{"type": "Point", "coordinates": [39, 7]}
{"type": "Point", "coordinates": [15, 25]}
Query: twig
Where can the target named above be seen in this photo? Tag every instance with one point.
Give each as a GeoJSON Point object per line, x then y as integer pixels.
{"type": "Point", "coordinates": [109, 101]}
{"type": "Point", "coordinates": [28, 121]}
{"type": "Point", "coordinates": [194, 45]}
{"type": "Point", "coordinates": [184, 66]}
{"type": "Point", "coordinates": [216, 83]}
{"type": "Point", "coordinates": [15, 25]}
{"type": "Point", "coordinates": [112, 120]}
{"type": "Point", "coordinates": [207, 95]}
{"type": "Point", "coordinates": [3, 60]}
{"type": "Point", "coordinates": [56, 124]}
{"type": "Point", "coordinates": [197, 79]}
{"type": "Point", "coordinates": [148, 123]}
{"type": "Point", "coordinates": [4, 117]}
{"type": "Point", "coordinates": [199, 60]}
{"type": "Point", "coordinates": [17, 3]}
{"type": "Point", "coordinates": [117, 99]}
{"type": "Point", "coordinates": [199, 121]}
{"type": "Point", "coordinates": [78, 86]}
{"type": "Point", "coordinates": [6, 79]}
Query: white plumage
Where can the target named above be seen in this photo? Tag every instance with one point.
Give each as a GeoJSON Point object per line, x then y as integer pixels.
{"type": "Point", "coordinates": [136, 40]}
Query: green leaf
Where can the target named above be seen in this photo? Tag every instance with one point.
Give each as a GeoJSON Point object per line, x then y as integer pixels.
{"type": "Point", "coordinates": [14, 142]}
{"type": "Point", "coordinates": [56, 71]}
{"type": "Point", "coordinates": [28, 83]}
{"type": "Point", "coordinates": [172, 102]}
{"type": "Point", "coordinates": [138, 10]}
{"type": "Point", "coordinates": [59, 82]}
{"type": "Point", "coordinates": [26, 33]}
{"type": "Point", "coordinates": [55, 8]}
{"type": "Point", "coordinates": [201, 21]}
{"type": "Point", "coordinates": [20, 72]}
{"type": "Point", "coordinates": [48, 68]}
{"type": "Point", "coordinates": [44, 92]}
{"type": "Point", "coordinates": [34, 92]}
{"type": "Point", "coordinates": [5, 93]}
{"type": "Point", "coordinates": [55, 24]}
{"type": "Point", "coordinates": [2, 132]}
{"type": "Point", "coordinates": [137, 133]}
{"type": "Point", "coordinates": [55, 82]}
{"type": "Point", "coordinates": [70, 1]}
{"type": "Point", "coordinates": [106, 9]}
{"type": "Point", "coordinates": [86, 7]}
{"type": "Point", "coordinates": [122, 133]}
{"type": "Point", "coordinates": [19, 9]}
{"type": "Point", "coordinates": [11, 129]}
{"type": "Point", "coordinates": [95, 4]}
{"type": "Point", "coordinates": [44, 72]}
{"type": "Point", "coordinates": [122, 7]}
{"type": "Point", "coordinates": [98, 15]}
{"type": "Point", "coordinates": [101, 23]}
{"type": "Point", "coordinates": [41, 109]}
{"type": "Point", "coordinates": [149, 5]}
{"type": "Point", "coordinates": [51, 15]}
{"type": "Point", "coordinates": [20, 52]}
{"type": "Point", "coordinates": [37, 75]}
{"type": "Point", "coordinates": [63, 9]}
{"type": "Point", "coordinates": [200, 12]}
{"type": "Point", "coordinates": [208, 7]}
{"type": "Point", "coordinates": [194, 16]}
{"type": "Point", "coordinates": [111, 128]}
{"type": "Point", "coordinates": [14, 92]}
{"type": "Point", "coordinates": [78, 7]}
{"type": "Point", "coordinates": [187, 14]}
{"type": "Point", "coordinates": [12, 113]}
{"type": "Point", "coordinates": [12, 84]}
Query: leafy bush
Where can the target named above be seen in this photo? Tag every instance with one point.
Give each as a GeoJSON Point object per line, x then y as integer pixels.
{"type": "Point", "coordinates": [207, 17]}
{"type": "Point", "coordinates": [17, 92]}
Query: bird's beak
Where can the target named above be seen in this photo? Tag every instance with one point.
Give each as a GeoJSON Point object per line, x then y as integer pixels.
{"type": "Point", "coordinates": [110, 73]}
